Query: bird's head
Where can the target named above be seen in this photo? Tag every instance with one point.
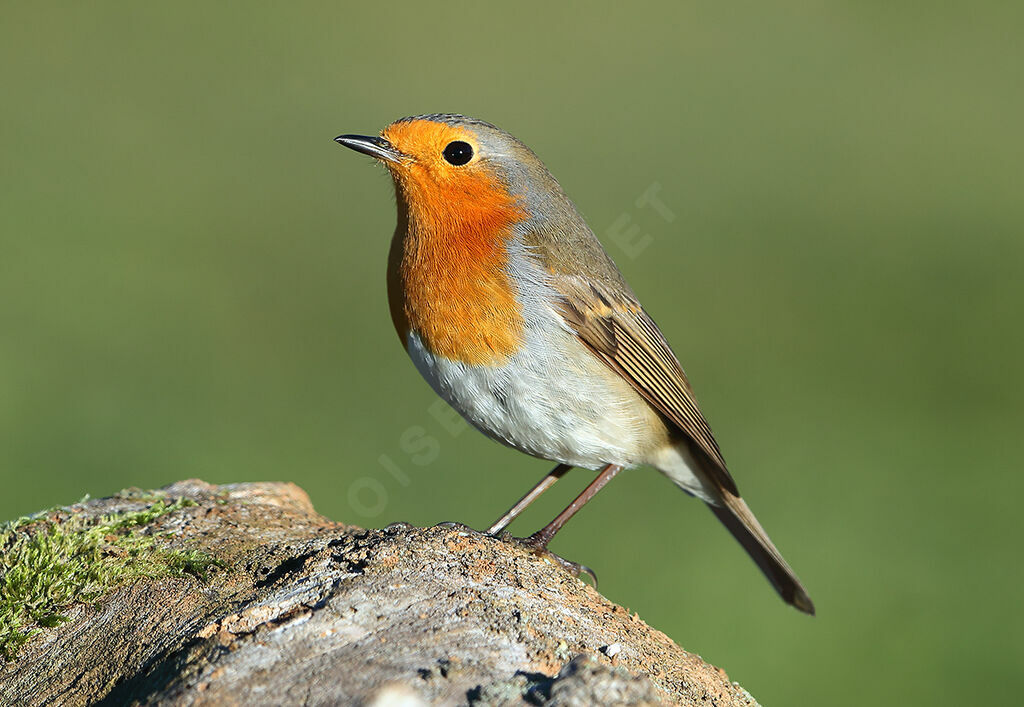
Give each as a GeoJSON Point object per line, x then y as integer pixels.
{"type": "Point", "coordinates": [461, 174]}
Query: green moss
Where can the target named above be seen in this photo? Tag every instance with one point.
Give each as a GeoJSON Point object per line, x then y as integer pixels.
{"type": "Point", "coordinates": [53, 560]}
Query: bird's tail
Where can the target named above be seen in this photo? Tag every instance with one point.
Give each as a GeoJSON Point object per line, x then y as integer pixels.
{"type": "Point", "coordinates": [736, 516]}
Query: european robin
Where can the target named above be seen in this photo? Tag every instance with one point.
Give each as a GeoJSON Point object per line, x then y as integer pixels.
{"type": "Point", "coordinates": [516, 316]}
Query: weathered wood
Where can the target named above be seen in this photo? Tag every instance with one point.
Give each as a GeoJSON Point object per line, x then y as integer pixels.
{"type": "Point", "coordinates": [308, 611]}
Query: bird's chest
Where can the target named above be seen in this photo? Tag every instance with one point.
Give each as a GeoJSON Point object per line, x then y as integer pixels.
{"type": "Point", "coordinates": [456, 296]}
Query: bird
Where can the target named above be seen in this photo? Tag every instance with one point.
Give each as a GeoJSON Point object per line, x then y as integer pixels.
{"type": "Point", "coordinates": [514, 313]}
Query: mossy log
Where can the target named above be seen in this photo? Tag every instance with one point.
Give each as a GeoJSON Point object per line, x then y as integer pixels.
{"type": "Point", "coordinates": [291, 608]}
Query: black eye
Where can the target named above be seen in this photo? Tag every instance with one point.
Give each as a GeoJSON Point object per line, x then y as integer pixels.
{"type": "Point", "coordinates": [458, 153]}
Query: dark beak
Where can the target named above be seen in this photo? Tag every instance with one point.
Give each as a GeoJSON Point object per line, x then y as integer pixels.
{"type": "Point", "coordinates": [373, 146]}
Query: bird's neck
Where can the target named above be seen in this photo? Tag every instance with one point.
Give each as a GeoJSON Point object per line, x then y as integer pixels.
{"type": "Point", "coordinates": [448, 279]}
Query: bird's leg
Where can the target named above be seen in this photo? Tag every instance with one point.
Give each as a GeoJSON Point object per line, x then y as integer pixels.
{"type": "Point", "coordinates": [542, 537]}
{"type": "Point", "coordinates": [538, 542]}
{"type": "Point", "coordinates": [512, 513]}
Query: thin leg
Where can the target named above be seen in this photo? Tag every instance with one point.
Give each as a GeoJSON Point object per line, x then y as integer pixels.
{"type": "Point", "coordinates": [542, 537]}
{"type": "Point", "coordinates": [534, 493]}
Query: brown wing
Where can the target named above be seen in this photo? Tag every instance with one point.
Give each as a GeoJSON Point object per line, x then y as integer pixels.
{"type": "Point", "coordinates": [621, 334]}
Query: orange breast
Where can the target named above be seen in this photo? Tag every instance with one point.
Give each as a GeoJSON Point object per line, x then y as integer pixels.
{"type": "Point", "coordinates": [446, 272]}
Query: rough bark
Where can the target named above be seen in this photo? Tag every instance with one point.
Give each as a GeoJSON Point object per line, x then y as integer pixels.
{"type": "Point", "coordinates": [308, 611]}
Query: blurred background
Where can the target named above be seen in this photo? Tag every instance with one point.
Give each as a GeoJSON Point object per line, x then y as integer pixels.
{"type": "Point", "coordinates": [192, 285]}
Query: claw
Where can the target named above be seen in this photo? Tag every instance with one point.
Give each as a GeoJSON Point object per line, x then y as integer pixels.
{"type": "Point", "coordinates": [455, 525]}
{"type": "Point", "coordinates": [590, 573]}
{"type": "Point", "coordinates": [574, 568]}
{"type": "Point", "coordinates": [534, 545]}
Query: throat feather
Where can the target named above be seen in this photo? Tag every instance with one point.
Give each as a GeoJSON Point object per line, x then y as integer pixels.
{"type": "Point", "coordinates": [449, 267]}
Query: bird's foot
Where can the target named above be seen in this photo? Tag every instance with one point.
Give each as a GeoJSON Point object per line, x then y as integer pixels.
{"type": "Point", "coordinates": [539, 548]}
{"type": "Point", "coordinates": [456, 525]}
{"type": "Point", "coordinates": [535, 545]}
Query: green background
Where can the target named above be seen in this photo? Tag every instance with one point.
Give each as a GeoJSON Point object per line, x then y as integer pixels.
{"type": "Point", "coordinates": [192, 285]}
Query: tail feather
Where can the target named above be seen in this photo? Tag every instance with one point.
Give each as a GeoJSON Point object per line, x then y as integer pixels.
{"type": "Point", "coordinates": [737, 517]}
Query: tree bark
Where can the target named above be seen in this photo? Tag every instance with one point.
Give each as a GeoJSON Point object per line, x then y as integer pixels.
{"type": "Point", "coordinates": [309, 611]}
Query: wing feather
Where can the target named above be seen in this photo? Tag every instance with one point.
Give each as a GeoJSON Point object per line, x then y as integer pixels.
{"type": "Point", "coordinates": [621, 334]}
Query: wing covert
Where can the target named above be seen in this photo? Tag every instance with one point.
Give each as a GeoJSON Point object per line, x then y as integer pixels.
{"type": "Point", "coordinates": [622, 335]}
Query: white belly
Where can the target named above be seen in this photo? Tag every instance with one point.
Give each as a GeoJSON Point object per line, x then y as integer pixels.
{"type": "Point", "coordinates": [553, 399]}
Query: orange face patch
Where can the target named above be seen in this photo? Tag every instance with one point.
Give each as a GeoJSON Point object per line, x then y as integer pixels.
{"type": "Point", "coordinates": [446, 275]}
